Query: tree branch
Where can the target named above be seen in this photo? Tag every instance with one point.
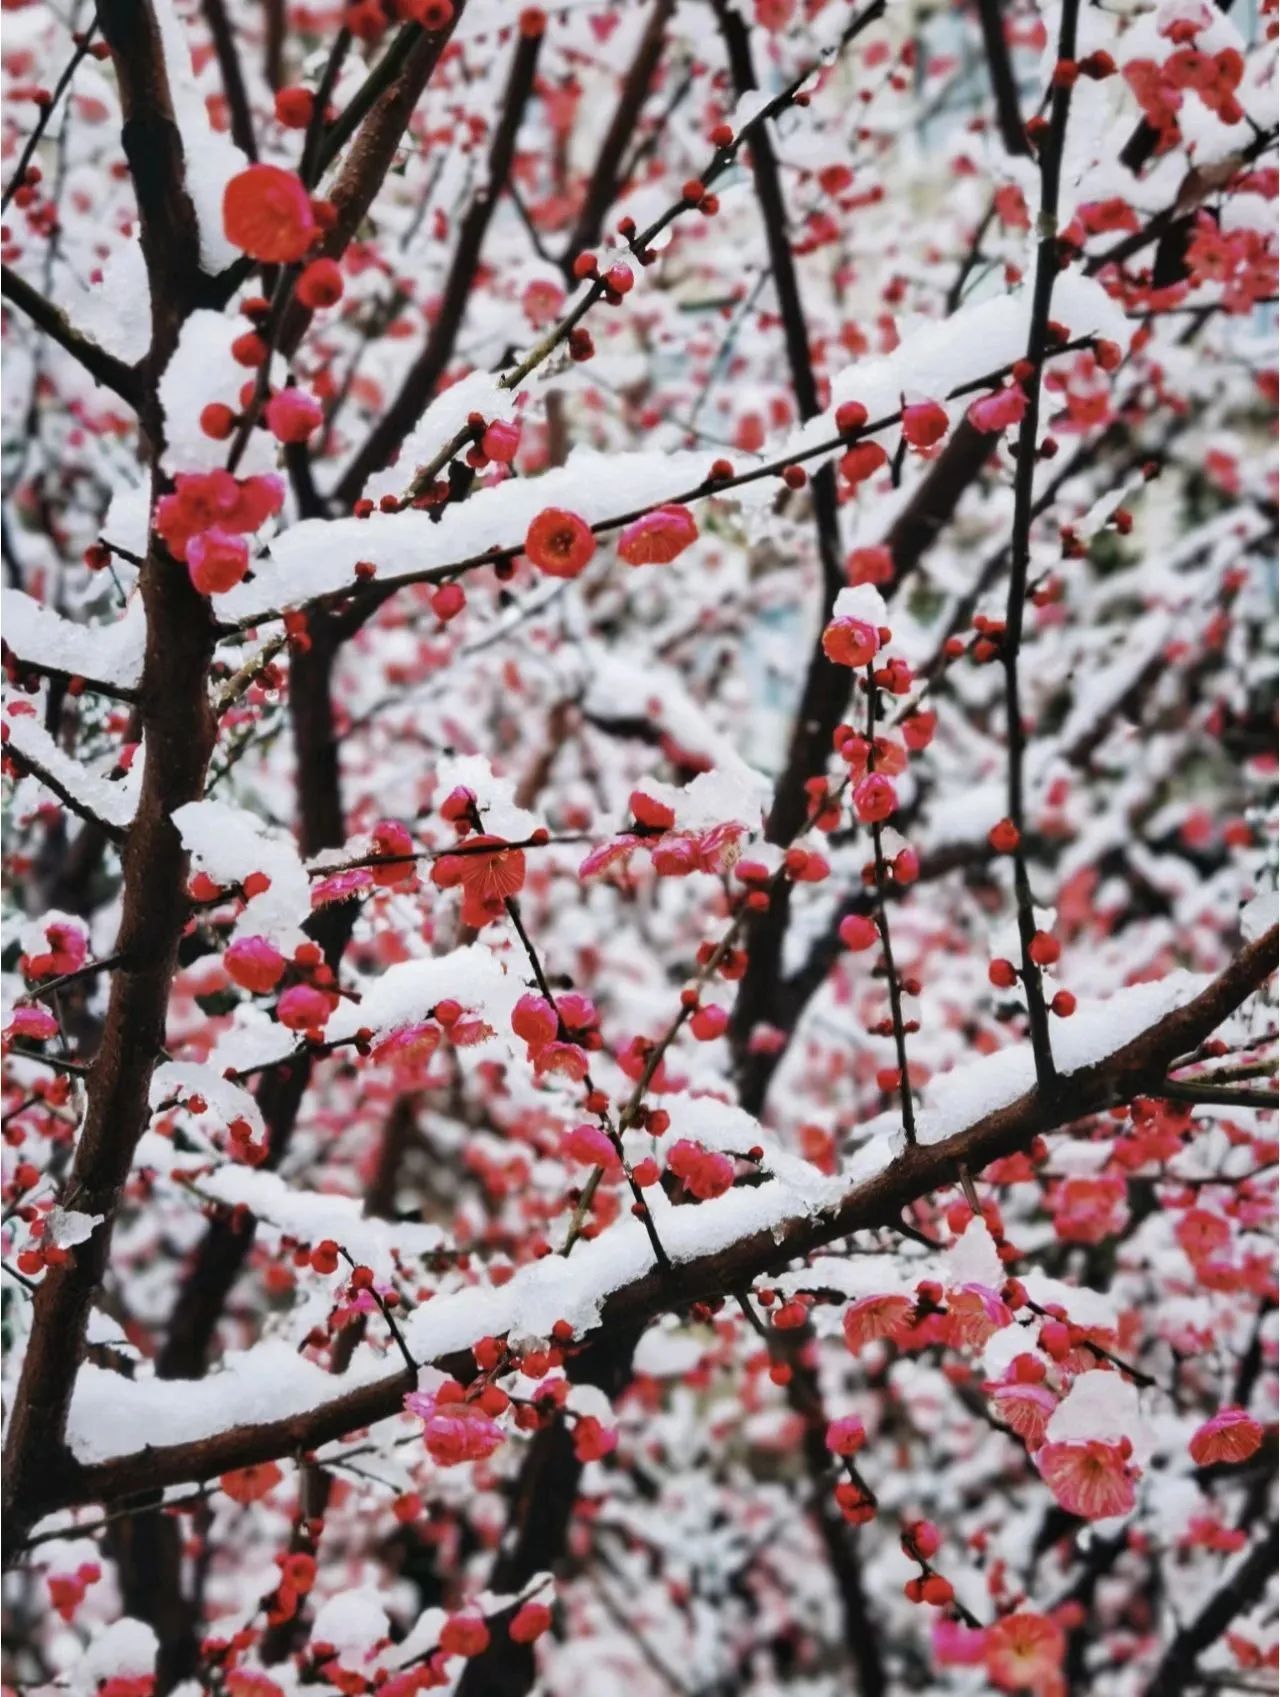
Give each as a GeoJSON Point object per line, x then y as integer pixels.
{"type": "Point", "coordinates": [413, 57]}
{"type": "Point", "coordinates": [1003, 86]}
{"type": "Point", "coordinates": [1177, 1667]}
{"type": "Point", "coordinates": [102, 366]}
{"type": "Point", "coordinates": [224, 46]}
{"type": "Point", "coordinates": [606, 178]}
{"type": "Point", "coordinates": [1047, 259]}
{"type": "Point", "coordinates": [43, 115]}
{"type": "Point", "coordinates": [178, 727]}
{"type": "Point", "coordinates": [1132, 1070]}
{"type": "Point", "coordinates": [420, 381]}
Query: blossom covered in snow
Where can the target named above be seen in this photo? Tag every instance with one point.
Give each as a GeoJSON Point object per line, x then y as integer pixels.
{"type": "Point", "coordinates": [640, 847]}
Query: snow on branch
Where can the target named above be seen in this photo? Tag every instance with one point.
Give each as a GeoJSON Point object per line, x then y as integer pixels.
{"type": "Point", "coordinates": [105, 801]}
{"type": "Point", "coordinates": [107, 656]}
{"type": "Point", "coordinates": [319, 557]}
{"type": "Point", "coordinates": [196, 1431]}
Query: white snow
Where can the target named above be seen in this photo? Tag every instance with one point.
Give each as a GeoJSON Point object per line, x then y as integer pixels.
{"type": "Point", "coordinates": [112, 1415]}
{"type": "Point", "coordinates": [861, 601]}
{"type": "Point", "coordinates": [95, 795]}
{"type": "Point", "coordinates": [67, 1227]}
{"type": "Point", "coordinates": [109, 1414]}
{"type": "Point", "coordinates": [311, 1216]}
{"type": "Point", "coordinates": [177, 1080]}
{"type": "Point", "coordinates": [1100, 1404]}
{"type": "Point", "coordinates": [318, 556]}
{"type": "Point", "coordinates": [210, 157]}
{"type": "Point", "coordinates": [99, 653]}
{"type": "Point", "coordinates": [1086, 1307]}
{"type": "Point", "coordinates": [229, 843]}
{"type": "Point", "coordinates": [353, 1622]}
{"type": "Point", "coordinates": [1098, 1028]}
{"type": "Point", "coordinates": [405, 994]}
{"type": "Point", "coordinates": [495, 794]}
{"type": "Point", "coordinates": [973, 1258]}
{"type": "Point", "coordinates": [201, 371]}
{"type": "Point", "coordinates": [1259, 916]}
{"type": "Point", "coordinates": [481, 392]}
{"type": "Point", "coordinates": [126, 1648]}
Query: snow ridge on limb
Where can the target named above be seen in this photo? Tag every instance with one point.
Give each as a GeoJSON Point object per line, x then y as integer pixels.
{"type": "Point", "coordinates": [100, 799]}
{"type": "Point", "coordinates": [319, 556]}
{"type": "Point", "coordinates": [723, 1247]}
{"type": "Point", "coordinates": [107, 655]}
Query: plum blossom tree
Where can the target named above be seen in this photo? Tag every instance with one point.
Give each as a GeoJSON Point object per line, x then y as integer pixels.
{"type": "Point", "coordinates": [640, 845]}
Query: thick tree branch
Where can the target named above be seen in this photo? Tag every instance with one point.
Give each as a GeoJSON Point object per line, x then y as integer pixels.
{"type": "Point", "coordinates": [169, 233]}
{"type": "Point", "coordinates": [178, 728]}
{"type": "Point", "coordinates": [1132, 1070]}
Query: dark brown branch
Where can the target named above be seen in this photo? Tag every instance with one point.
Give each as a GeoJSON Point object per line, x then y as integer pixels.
{"type": "Point", "coordinates": [826, 693]}
{"type": "Point", "coordinates": [151, 1543]}
{"type": "Point", "coordinates": [43, 115]}
{"type": "Point", "coordinates": [641, 244]}
{"type": "Point", "coordinates": [1241, 1590]}
{"type": "Point", "coordinates": [177, 724]}
{"type": "Point", "coordinates": [224, 46]}
{"type": "Point", "coordinates": [1220, 1096]}
{"type": "Point", "coordinates": [839, 1540]}
{"type": "Point", "coordinates": [1195, 188]}
{"type": "Point", "coordinates": [69, 799]}
{"type": "Point", "coordinates": [1145, 138]}
{"type": "Point", "coordinates": [169, 233]}
{"type": "Point", "coordinates": [357, 109]}
{"type": "Point", "coordinates": [826, 689]}
{"type": "Point", "coordinates": [420, 381]}
{"type": "Point", "coordinates": [354, 602]}
{"type": "Point", "coordinates": [824, 700]}
{"type": "Point", "coordinates": [1133, 1070]}
{"type": "Point", "coordinates": [273, 45]}
{"type": "Point", "coordinates": [538, 1519]}
{"type": "Point", "coordinates": [108, 963]}
{"type": "Point", "coordinates": [222, 1251]}
{"type": "Point", "coordinates": [991, 15]}
{"type": "Point", "coordinates": [1047, 259]}
{"type": "Point", "coordinates": [883, 882]}
{"type": "Point", "coordinates": [414, 56]}
{"type": "Point", "coordinates": [793, 995]}
{"type": "Point", "coordinates": [312, 143]}
{"type": "Point", "coordinates": [102, 366]}
{"type": "Point", "coordinates": [955, 294]}
{"type": "Point", "coordinates": [606, 178]}
{"type": "Point", "coordinates": [178, 727]}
